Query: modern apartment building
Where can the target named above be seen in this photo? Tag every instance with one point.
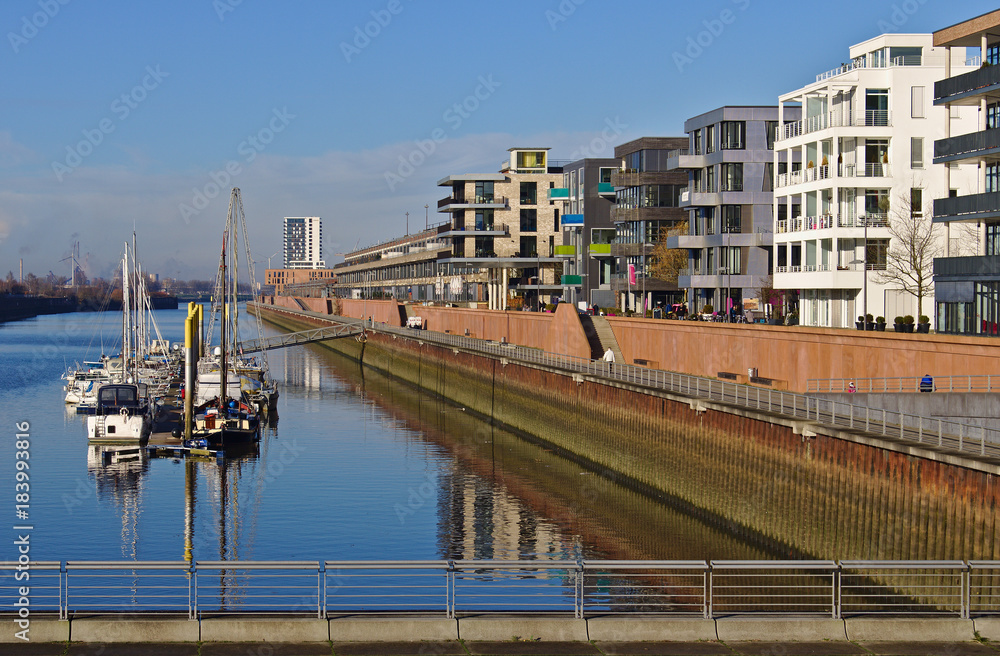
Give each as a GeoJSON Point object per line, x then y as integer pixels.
{"type": "Point", "coordinates": [848, 172]}
{"type": "Point", "coordinates": [587, 197]}
{"type": "Point", "coordinates": [647, 208]}
{"type": "Point", "coordinates": [505, 228]}
{"type": "Point", "coordinates": [303, 243]}
{"type": "Point", "coordinates": [498, 243]}
{"type": "Point", "coordinates": [278, 279]}
{"type": "Point", "coordinates": [729, 160]}
{"type": "Point", "coordinates": [967, 279]}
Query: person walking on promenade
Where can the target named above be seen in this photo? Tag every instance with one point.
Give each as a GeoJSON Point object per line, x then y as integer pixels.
{"type": "Point", "coordinates": [851, 388]}
{"type": "Point", "coordinates": [609, 357]}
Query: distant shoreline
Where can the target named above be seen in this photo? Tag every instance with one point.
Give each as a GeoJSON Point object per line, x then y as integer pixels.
{"type": "Point", "coordinates": [17, 307]}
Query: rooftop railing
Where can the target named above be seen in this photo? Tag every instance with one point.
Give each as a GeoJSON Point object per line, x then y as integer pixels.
{"type": "Point", "coordinates": [452, 588]}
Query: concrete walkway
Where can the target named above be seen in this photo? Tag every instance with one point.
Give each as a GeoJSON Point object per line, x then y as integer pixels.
{"type": "Point", "coordinates": [506, 648]}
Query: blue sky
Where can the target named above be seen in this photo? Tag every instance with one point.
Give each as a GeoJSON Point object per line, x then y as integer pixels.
{"type": "Point", "coordinates": [121, 113]}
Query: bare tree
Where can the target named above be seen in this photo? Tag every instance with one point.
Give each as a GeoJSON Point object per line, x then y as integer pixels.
{"type": "Point", "coordinates": [913, 245]}
{"type": "Point", "coordinates": [667, 263]}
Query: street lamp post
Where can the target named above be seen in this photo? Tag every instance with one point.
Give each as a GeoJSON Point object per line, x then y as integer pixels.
{"type": "Point", "coordinates": [407, 223]}
{"type": "Point", "coordinates": [426, 216]}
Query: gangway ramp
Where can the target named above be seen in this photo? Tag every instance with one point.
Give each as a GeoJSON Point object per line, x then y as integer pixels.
{"type": "Point", "coordinates": [347, 329]}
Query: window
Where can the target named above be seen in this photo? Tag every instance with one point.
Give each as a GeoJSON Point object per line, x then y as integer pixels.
{"type": "Point", "coordinates": [529, 193]}
{"type": "Point", "coordinates": [731, 219]}
{"type": "Point", "coordinates": [993, 238]}
{"type": "Point", "coordinates": [992, 177]}
{"type": "Point", "coordinates": [531, 160]}
{"type": "Point", "coordinates": [917, 203]}
{"type": "Point", "coordinates": [606, 175]}
{"type": "Point", "coordinates": [916, 152]}
{"type": "Point", "coordinates": [771, 128]}
{"type": "Point", "coordinates": [877, 254]}
{"type": "Point", "coordinates": [877, 107]}
{"type": "Point", "coordinates": [602, 235]}
{"type": "Point", "coordinates": [529, 220]}
{"type": "Point", "coordinates": [992, 54]}
{"type": "Point", "coordinates": [916, 102]}
{"type": "Point", "coordinates": [731, 177]}
{"type": "Point", "coordinates": [732, 135]}
{"type": "Point", "coordinates": [484, 192]}
{"type": "Point", "coordinates": [484, 219]}
{"type": "Point", "coordinates": [529, 247]}
{"type": "Point", "coordinates": [660, 195]}
{"type": "Point", "coordinates": [710, 139]}
{"type": "Point", "coordinates": [697, 142]}
{"type": "Point", "coordinates": [484, 247]}
{"type": "Point", "coordinates": [993, 116]}
{"type": "Point", "coordinates": [768, 176]}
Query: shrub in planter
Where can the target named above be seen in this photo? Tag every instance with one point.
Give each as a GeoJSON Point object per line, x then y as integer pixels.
{"type": "Point", "coordinates": [708, 308]}
{"type": "Point", "coordinates": [908, 323]}
{"type": "Point", "coordinates": [880, 323]}
{"type": "Point", "coordinates": [860, 323]}
{"type": "Point", "coordinates": [869, 322]}
{"type": "Point", "coordinates": [792, 319]}
{"type": "Point", "coordinates": [924, 324]}
{"type": "Point", "coordinates": [897, 324]}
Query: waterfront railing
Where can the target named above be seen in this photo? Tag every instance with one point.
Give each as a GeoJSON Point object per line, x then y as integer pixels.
{"type": "Point", "coordinates": [984, 383]}
{"type": "Point", "coordinates": [452, 588]}
{"type": "Point", "coordinates": [932, 432]}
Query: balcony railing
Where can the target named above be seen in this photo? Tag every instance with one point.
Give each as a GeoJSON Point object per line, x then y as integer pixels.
{"type": "Point", "coordinates": [861, 62]}
{"type": "Point", "coordinates": [825, 221]}
{"type": "Point", "coordinates": [871, 117]}
{"type": "Point", "coordinates": [974, 266]}
{"type": "Point", "coordinates": [979, 81]}
{"type": "Point", "coordinates": [966, 145]}
{"type": "Point", "coordinates": [974, 206]}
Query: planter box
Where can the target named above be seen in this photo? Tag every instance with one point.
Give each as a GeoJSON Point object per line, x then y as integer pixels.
{"type": "Point", "coordinates": [907, 327]}
{"type": "Point", "coordinates": [880, 327]}
{"type": "Point", "coordinates": [923, 328]}
{"type": "Point", "coordinates": [899, 328]}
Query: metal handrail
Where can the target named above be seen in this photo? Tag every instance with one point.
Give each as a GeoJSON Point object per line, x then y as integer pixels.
{"type": "Point", "coordinates": [956, 383]}
{"type": "Point", "coordinates": [684, 587]}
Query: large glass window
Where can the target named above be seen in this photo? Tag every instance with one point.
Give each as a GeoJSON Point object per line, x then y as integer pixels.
{"type": "Point", "coordinates": [731, 219]}
{"type": "Point", "coordinates": [606, 175]}
{"type": "Point", "coordinates": [531, 160]}
{"type": "Point", "coordinates": [697, 142]}
{"type": "Point", "coordinates": [710, 139]}
{"type": "Point", "coordinates": [529, 193]}
{"type": "Point", "coordinates": [768, 176]}
{"type": "Point", "coordinates": [529, 220]}
{"type": "Point", "coordinates": [732, 135]}
{"type": "Point", "coordinates": [772, 133]}
{"type": "Point", "coordinates": [993, 177]}
{"type": "Point", "coordinates": [993, 116]}
{"type": "Point", "coordinates": [484, 191]}
{"type": "Point", "coordinates": [484, 247]}
{"type": "Point", "coordinates": [877, 254]}
{"type": "Point", "coordinates": [876, 157]}
{"type": "Point", "coordinates": [992, 54]}
{"type": "Point", "coordinates": [731, 177]}
{"type": "Point", "coordinates": [484, 219]}
{"type": "Point", "coordinates": [993, 238]}
{"type": "Point", "coordinates": [529, 246]}
{"type": "Point", "coordinates": [876, 107]}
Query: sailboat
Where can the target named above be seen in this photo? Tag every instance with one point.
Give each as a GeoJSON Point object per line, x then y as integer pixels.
{"type": "Point", "coordinates": [123, 412]}
{"type": "Point", "coordinates": [226, 415]}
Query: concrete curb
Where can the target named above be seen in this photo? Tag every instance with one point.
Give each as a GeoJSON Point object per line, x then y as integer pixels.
{"type": "Point", "coordinates": [505, 628]}
{"type": "Point", "coordinates": [785, 629]}
{"type": "Point", "coordinates": [988, 627]}
{"type": "Point", "coordinates": [380, 629]}
{"type": "Point", "coordinates": [134, 630]}
{"type": "Point", "coordinates": [40, 630]}
{"type": "Point", "coordinates": [265, 630]}
{"type": "Point", "coordinates": [632, 629]}
{"type": "Point", "coordinates": [905, 629]}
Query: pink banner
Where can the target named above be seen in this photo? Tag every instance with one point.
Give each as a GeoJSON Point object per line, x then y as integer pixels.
{"type": "Point", "coordinates": [631, 274]}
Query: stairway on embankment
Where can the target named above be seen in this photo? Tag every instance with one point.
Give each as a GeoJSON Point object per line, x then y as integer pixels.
{"type": "Point", "coordinates": [601, 337]}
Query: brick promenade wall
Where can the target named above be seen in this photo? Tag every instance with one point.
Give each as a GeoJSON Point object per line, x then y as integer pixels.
{"type": "Point", "coordinates": [790, 355]}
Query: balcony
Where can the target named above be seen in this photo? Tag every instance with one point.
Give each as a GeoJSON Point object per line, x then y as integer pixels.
{"type": "Point", "coordinates": [600, 250]}
{"type": "Point", "coordinates": [572, 281]}
{"type": "Point", "coordinates": [965, 146]}
{"type": "Point", "coordinates": [559, 193]}
{"type": "Point", "coordinates": [605, 189]}
{"type": "Point", "coordinates": [983, 267]}
{"type": "Point", "coordinates": [870, 118]}
{"type": "Point", "coordinates": [478, 202]}
{"type": "Point", "coordinates": [827, 221]}
{"type": "Point", "coordinates": [974, 207]}
{"type": "Point", "coordinates": [967, 86]}
{"type": "Point", "coordinates": [565, 250]}
{"type": "Point", "coordinates": [817, 173]}
{"type": "Point", "coordinates": [569, 220]}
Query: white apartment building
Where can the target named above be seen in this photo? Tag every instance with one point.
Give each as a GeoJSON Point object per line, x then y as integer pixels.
{"type": "Point", "coordinates": [303, 243]}
{"type": "Point", "coordinates": [860, 154]}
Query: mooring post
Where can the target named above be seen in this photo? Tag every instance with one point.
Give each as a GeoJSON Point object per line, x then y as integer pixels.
{"type": "Point", "coordinates": [190, 362]}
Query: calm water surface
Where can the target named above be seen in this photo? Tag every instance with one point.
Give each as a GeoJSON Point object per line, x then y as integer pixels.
{"type": "Point", "coordinates": [356, 467]}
